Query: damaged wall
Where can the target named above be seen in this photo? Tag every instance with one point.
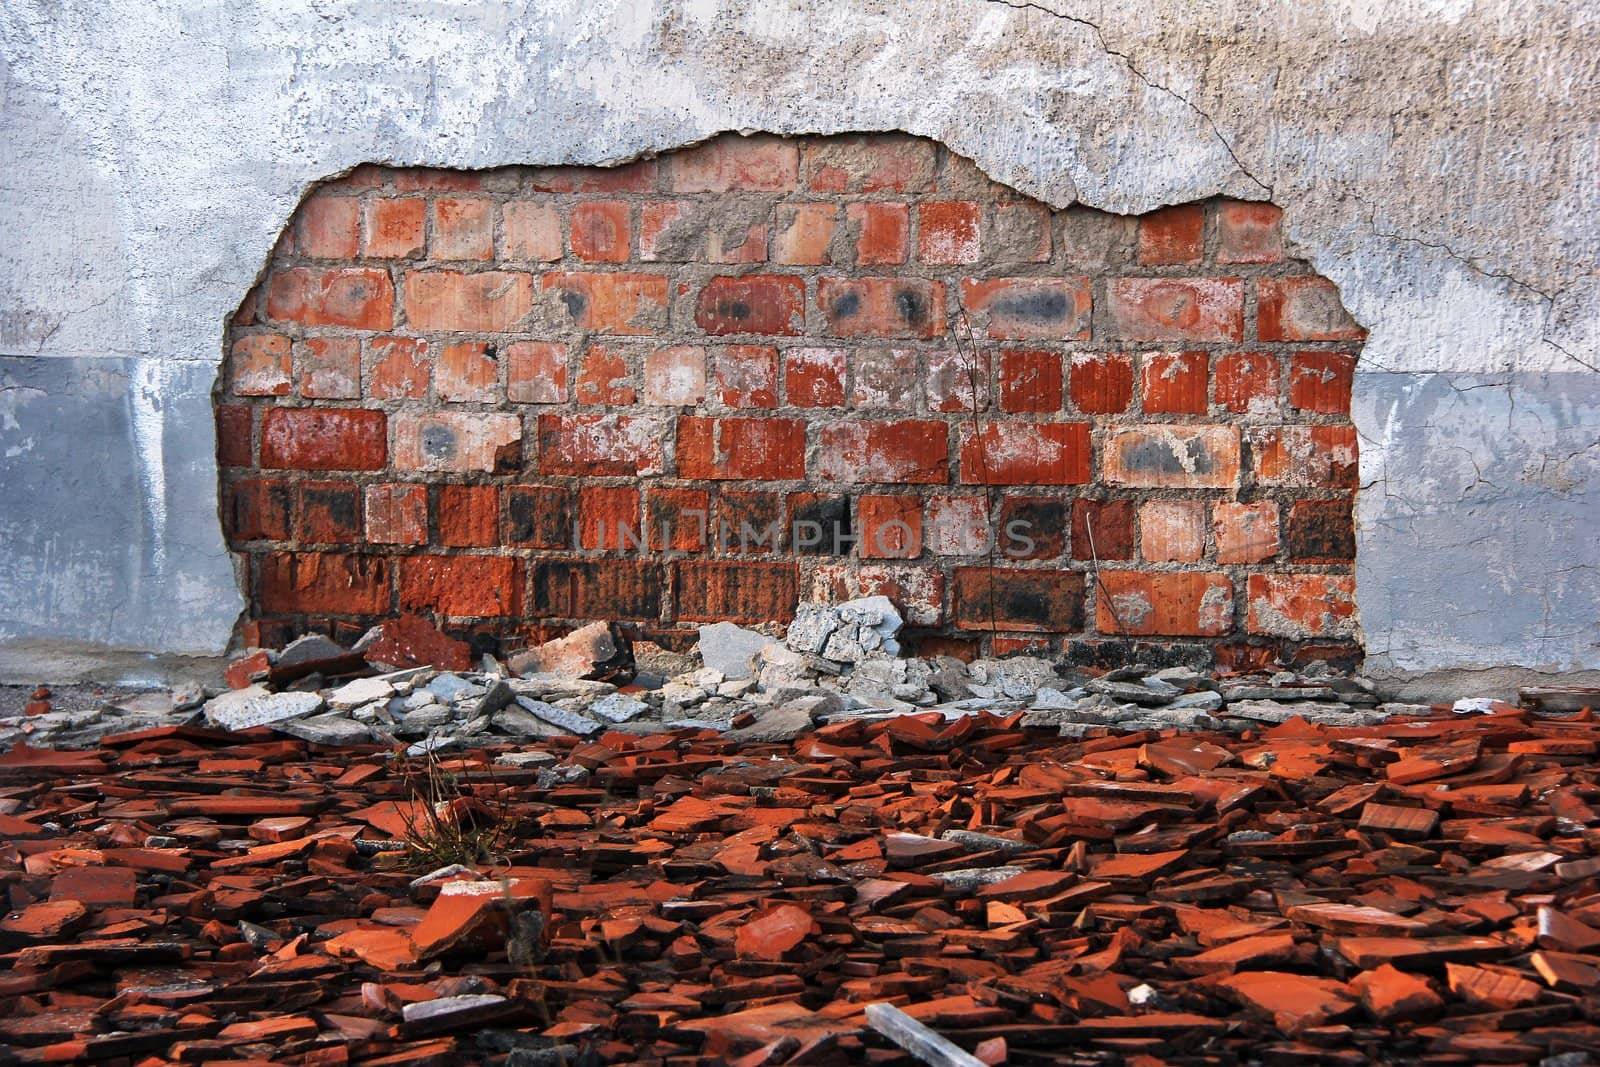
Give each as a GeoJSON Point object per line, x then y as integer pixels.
{"type": "Point", "coordinates": [705, 386]}
{"type": "Point", "coordinates": [1433, 159]}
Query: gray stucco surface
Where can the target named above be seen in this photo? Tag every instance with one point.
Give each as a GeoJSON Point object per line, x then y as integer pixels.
{"type": "Point", "coordinates": [1435, 158]}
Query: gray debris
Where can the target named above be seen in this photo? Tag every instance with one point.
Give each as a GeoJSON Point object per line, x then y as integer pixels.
{"type": "Point", "coordinates": [570, 721]}
{"type": "Point", "coordinates": [618, 708]}
{"type": "Point", "coordinates": [731, 650]}
{"type": "Point", "coordinates": [242, 709]}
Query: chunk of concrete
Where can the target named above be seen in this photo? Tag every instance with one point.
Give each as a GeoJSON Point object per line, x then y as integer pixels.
{"type": "Point", "coordinates": [253, 706]}
{"type": "Point", "coordinates": [731, 650]}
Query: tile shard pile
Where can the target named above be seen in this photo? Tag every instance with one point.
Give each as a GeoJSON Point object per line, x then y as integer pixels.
{"type": "Point", "coordinates": [1423, 889]}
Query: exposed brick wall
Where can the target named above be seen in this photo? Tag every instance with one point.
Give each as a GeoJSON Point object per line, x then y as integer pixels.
{"type": "Point", "coordinates": [505, 399]}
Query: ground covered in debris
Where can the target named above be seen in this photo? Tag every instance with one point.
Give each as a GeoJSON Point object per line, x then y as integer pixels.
{"type": "Point", "coordinates": [1415, 890]}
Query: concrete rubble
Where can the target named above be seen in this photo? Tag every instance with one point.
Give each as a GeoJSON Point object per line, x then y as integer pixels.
{"type": "Point", "coordinates": [832, 663]}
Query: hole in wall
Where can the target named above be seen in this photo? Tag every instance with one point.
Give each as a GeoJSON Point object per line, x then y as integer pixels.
{"type": "Point", "coordinates": [705, 386]}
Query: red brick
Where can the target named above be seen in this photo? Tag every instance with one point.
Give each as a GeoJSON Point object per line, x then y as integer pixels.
{"type": "Point", "coordinates": [957, 526]}
{"type": "Point", "coordinates": [1028, 308]}
{"type": "Point", "coordinates": [870, 163]}
{"type": "Point", "coordinates": [1321, 531]}
{"type": "Point", "coordinates": [679, 519]}
{"type": "Point", "coordinates": [1173, 457]}
{"type": "Point", "coordinates": [325, 583]}
{"type": "Point", "coordinates": [1007, 645]}
{"type": "Point", "coordinates": [890, 527]}
{"type": "Point", "coordinates": [759, 164]}
{"type": "Point", "coordinates": [591, 445]}
{"type": "Point", "coordinates": [948, 231]}
{"type": "Point", "coordinates": [538, 516]}
{"type": "Point", "coordinates": [1030, 380]}
{"type": "Point", "coordinates": [814, 377]}
{"type": "Point", "coordinates": [1249, 233]}
{"type": "Point", "coordinates": [358, 297]}
{"type": "Point", "coordinates": [536, 372]}
{"type": "Point", "coordinates": [1245, 533]}
{"type": "Point", "coordinates": [881, 232]}
{"type": "Point", "coordinates": [882, 307]}
{"type": "Point", "coordinates": [1175, 383]}
{"type": "Point", "coordinates": [885, 378]}
{"type": "Point", "coordinates": [744, 243]}
{"type": "Point", "coordinates": [461, 586]}
{"type": "Point", "coordinates": [467, 373]}
{"type": "Point", "coordinates": [463, 228]}
{"type": "Point", "coordinates": [411, 641]}
{"type": "Point", "coordinates": [1303, 309]}
{"type": "Point", "coordinates": [604, 377]}
{"type": "Point", "coordinates": [1034, 527]}
{"type": "Point", "coordinates": [401, 368]}
{"type": "Point", "coordinates": [1016, 453]}
{"type": "Point", "coordinates": [911, 451]}
{"type": "Point", "coordinates": [1247, 383]}
{"type": "Point", "coordinates": [234, 433]}
{"type": "Point", "coordinates": [1301, 456]}
{"type": "Point", "coordinates": [741, 449]}
{"type": "Point", "coordinates": [1302, 605]}
{"type": "Point", "coordinates": [608, 518]}
{"type": "Point", "coordinates": [612, 303]}
{"type": "Point", "coordinates": [957, 380]}
{"type": "Point", "coordinates": [430, 180]}
{"type": "Point", "coordinates": [459, 441]}
{"type": "Point", "coordinates": [396, 229]}
{"type": "Point", "coordinates": [747, 376]}
{"type": "Point", "coordinates": [673, 231]}
{"type": "Point", "coordinates": [602, 231]}
{"type": "Point", "coordinates": [917, 592]}
{"type": "Point", "coordinates": [1187, 604]}
{"type": "Point", "coordinates": [468, 516]}
{"type": "Point", "coordinates": [532, 232]}
{"type": "Point", "coordinates": [735, 592]}
{"type": "Point", "coordinates": [1030, 600]}
{"type": "Point", "coordinates": [328, 227]}
{"type": "Point", "coordinates": [397, 514]}
{"type": "Point", "coordinates": [1172, 531]}
{"type": "Point", "coordinates": [258, 510]}
{"type": "Point", "coordinates": [1102, 529]}
{"type": "Point", "coordinates": [330, 368]}
{"type": "Point", "coordinates": [329, 513]}
{"type": "Point", "coordinates": [1177, 309]}
{"type": "Point", "coordinates": [752, 303]}
{"type": "Point", "coordinates": [602, 589]}
{"type": "Point", "coordinates": [491, 301]}
{"type": "Point", "coordinates": [1101, 384]}
{"type": "Point", "coordinates": [1320, 381]}
{"type": "Point", "coordinates": [748, 523]}
{"type": "Point", "coordinates": [636, 177]}
{"type": "Point", "coordinates": [311, 439]}
{"type": "Point", "coordinates": [820, 524]}
{"type": "Point", "coordinates": [675, 376]}
{"type": "Point", "coordinates": [1172, 235]}
{"type": "Point", "coordinates": [261, 365]}
{"type": "Point", "coordinates": [805, 233]}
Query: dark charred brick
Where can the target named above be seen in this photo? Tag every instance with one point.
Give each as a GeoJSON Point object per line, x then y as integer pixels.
{"type": "Point", "coordinates": [1321, 531]}
{"type": "Point", "coordinates": [995, 598]}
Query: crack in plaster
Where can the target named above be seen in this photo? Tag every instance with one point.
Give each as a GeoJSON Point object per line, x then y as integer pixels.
{"type": "Point", "coordinates": [1133, 68]}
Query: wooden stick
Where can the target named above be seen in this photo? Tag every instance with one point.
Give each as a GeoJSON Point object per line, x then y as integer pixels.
{"type": "Point", "coordinates": [921, 1042]}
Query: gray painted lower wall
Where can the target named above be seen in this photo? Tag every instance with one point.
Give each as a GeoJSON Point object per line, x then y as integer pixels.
{"type": "Point", "coordinates": [1479, 518]}
{"type": "Point", "coordinates": [96, 550]}
{"type": "Point", "coordinates": [1434, 158]}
